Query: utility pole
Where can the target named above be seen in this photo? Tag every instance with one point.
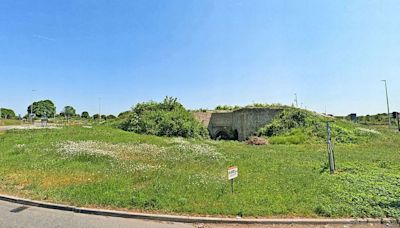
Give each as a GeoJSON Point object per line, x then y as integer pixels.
{"type": "Point", "coordinates": [387, 101]}
{"type": "Point", "coordinates": [295, 100]}
{"type": "Point", "coordinates": [100, 109]}
{"type": "Point", "coordinates": [33, 101]}
{"type": "Point", "coordinates": [54, 115]}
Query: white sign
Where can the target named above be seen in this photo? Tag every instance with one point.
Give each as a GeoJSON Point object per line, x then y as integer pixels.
{"type": "Point", "coordinates": [233, 172]}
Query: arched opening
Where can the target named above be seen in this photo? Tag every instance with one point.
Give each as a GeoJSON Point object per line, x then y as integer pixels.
{"type": "Point", "coordinates": [222, 135]}
{"type": "Point", "coordinates": [227, 135]}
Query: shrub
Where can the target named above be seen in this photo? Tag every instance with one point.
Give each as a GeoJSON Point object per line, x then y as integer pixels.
{"type": "Point", "coordinates": [167, 118]}
{"type": "Point", "coordinates": [296, 126]}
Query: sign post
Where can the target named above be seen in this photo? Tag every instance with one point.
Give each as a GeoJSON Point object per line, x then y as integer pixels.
{"type": "Point", "coordinates": [233, 172]}
{"type": "Point", "coordinates": [331, 154]}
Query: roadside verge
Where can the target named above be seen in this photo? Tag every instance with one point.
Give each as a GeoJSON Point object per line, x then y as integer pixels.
{"type": "Point", "coordinates": [191, 219]}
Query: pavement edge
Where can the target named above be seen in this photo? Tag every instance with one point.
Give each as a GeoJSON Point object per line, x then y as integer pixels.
{"type": "Point", "coordinates": [191, 219]}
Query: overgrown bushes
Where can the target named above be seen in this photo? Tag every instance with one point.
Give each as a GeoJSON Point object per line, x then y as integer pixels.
{"type": "Point", "coordinates": [167, 118]}
{"type": "Point", "coordinates": [296, 126]}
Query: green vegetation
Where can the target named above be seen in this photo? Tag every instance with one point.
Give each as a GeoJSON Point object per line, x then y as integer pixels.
{"type": "Point", "coordinates": [107, 167]}
{"type": "Point", "coordinates": [7, 122]}
{"type": "Point", "coordinates": [85, 115]}
{"type": "Point", "coordinates": [69, 112]}
{"type": "Point", "coordinates": [254, 105]}
{"type": "Point", "coordinates": [167, 118]}
{"type": "Point", "coordinates": [378, 119]}
{"type": "Point", "coordinates": [7, 113]}
{"type": "Point", "coordinates": [40, 108]}
{"type": "Point", "coordinates": [297, 126]}
{"type": "Point", "coordinates": [227, 108]}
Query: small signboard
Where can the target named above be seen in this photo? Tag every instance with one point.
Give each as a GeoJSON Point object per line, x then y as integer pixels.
{"type": "Point", "coordinates": [233, 172]}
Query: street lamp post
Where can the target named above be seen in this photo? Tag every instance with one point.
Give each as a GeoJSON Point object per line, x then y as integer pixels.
{"type": "Point", "coordinates": [31, 114]}
{"type": "Point", "coordinates": [387, 101]}
{"type": "Point", "coordinates": [99, 109]}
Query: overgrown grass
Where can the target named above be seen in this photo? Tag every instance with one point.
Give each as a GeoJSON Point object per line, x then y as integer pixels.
{"type": "Point", "coordinates": [7, 122]}
{"type": "Point", "coordinates": [106, 167]}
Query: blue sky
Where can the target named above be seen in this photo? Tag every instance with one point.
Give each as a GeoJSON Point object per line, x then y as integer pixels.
{"type": "Point", "coordinates": [206, 53]}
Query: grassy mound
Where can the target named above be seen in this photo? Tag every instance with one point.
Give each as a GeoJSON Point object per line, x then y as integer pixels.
{"type": "Point", "coordinates": [296, 126]}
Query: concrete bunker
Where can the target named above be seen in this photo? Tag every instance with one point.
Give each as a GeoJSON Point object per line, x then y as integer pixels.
{"type": "Point", "coordinates": [239, 124]}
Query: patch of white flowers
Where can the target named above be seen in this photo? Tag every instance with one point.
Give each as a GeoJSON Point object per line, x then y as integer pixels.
{"type": "Point", "coordinates": [186, 148]}
{"type": "Point", "coordinates": [118, 151]}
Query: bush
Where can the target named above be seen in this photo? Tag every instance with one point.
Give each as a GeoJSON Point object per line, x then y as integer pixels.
{"type": "Point", "coordinates": [167, 118]}
{"type": "Point", "coordinates": [296, 126]}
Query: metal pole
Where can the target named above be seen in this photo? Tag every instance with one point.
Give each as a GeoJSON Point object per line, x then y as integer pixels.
{"type": "Point", "coordinates": [232, 186]}
{"type": "Point", "coordinates": [33, 101]}
{"type": "Point", "coordinates": [387, 100]}
{"type": "Point", "coordinates": [331, 156]}
{"type": "Point", "coordinates": [398, 120]}
{"type": "Point", "coordinates": [99, 109]}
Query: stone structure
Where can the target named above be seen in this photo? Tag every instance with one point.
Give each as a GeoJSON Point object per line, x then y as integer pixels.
{"type": "Point", "coordinates": [239, 124]}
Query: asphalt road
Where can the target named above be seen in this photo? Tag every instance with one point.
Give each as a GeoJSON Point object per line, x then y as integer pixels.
{"type": "Point", "coordinates": [19, 216]}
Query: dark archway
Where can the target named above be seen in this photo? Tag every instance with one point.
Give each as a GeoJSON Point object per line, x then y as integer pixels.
{"type": "Point", "coordinates": [227, 135]}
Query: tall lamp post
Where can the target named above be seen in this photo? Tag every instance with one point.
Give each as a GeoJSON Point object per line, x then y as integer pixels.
{"type": "Point", "coordinates": [387, 101]}
{"type": "Point", "coordinates": [33, 101]}
{"type": "Point", "coordinates": [99, 109]}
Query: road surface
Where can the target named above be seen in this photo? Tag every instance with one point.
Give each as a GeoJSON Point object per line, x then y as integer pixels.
{"type": "Point", "coordinates": [19, 216]}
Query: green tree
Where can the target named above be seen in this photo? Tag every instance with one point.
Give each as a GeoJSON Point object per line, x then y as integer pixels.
{"type": "Point", "coordinates": [111, 117]}
{"type": "Point", "coordinates": [40, 108]}
{"type": "Point", "coordinates": [7, 113]}
{"type": "Point", "coordinates": [69, 111]}
{"type": "Point", "coordinates": [85, 115]}
{"type": "Point", "coordinates": [96, 116]}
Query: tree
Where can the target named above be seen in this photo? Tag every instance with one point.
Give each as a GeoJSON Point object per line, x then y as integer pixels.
{"type": "Point", "coordinates": [7, 113]}
{"type": "Point", "coordinates": [69, 111]}
{"type": "Point", "coordinates": [41, 108]}
{"type": "Point", "coordinates": [96, 116]}
{"type": "Point", "coordinates": [85, 115]}
{"type": "Point", "coordinates": [110, 117]}
{"type": "Point", "coordinates": [103, 117]}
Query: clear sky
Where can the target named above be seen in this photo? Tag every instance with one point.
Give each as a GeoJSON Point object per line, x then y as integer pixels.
{"type": "Point", "coordinates": [206, 53]}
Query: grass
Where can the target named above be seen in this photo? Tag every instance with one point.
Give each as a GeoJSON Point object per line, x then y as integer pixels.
{"type": "Point", "coordinates": [7, 122]}
{"type": "Point", "coordinates": [110, 168]}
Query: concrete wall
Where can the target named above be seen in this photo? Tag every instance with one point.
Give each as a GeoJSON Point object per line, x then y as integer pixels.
{"type": "Point", "coordinates": [203, 117]}
{"type": "Point", "coordinates": [248, 121]}
{"type": "Point", "coordinates": [239, 124]}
